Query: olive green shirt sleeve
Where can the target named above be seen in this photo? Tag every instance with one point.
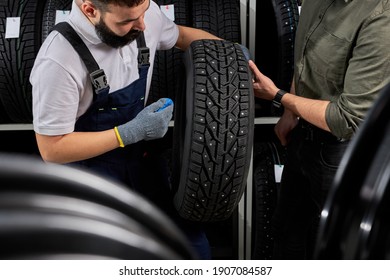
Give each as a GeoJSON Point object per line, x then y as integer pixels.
{"type": "Point", "coordinates": [343, 56]}
{"type": "Point", "coordinates": [367, 73]}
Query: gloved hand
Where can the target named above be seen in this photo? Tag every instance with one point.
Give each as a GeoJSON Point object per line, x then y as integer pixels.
{"type": "Point", "coordinates": [148, 124]}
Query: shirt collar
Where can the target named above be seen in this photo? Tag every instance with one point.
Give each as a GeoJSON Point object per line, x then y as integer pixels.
{"type": "Point", "coordinates": [82, 25]}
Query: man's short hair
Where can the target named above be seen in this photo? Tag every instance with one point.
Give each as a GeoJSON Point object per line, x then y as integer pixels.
{"type": "Point", "coordinates": [102, 4]}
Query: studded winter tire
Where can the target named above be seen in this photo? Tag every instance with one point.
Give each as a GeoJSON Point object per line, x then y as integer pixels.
{"type": "Point", "coordinates": [265, 188]}
{"type": "Point", "coordinates": [49, 14]}
{"type": "Point", "coordinates": [213, 133]}
{"type": "Point", "coordinates": [276, 20]}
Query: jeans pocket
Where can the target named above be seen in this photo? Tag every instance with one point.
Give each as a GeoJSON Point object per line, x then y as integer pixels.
{"type": "Point", "coordinates": [331, 154]}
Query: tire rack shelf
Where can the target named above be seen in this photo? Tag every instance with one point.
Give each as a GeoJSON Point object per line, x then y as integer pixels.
{"type": "Point", "coordinates": [29, 126]}
{"type": "Point", "coordinates": [16, 127]}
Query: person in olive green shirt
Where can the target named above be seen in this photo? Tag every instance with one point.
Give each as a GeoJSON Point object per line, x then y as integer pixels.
{"type": "Point", "coordinates": [342, 61]}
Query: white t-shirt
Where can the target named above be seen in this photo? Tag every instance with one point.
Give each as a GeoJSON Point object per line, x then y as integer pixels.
{"type": "Point", "coordinates": [62, 90]}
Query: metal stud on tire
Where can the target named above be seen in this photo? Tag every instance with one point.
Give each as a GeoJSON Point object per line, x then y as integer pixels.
{"type": "Point", "coordinates": [213, 134]}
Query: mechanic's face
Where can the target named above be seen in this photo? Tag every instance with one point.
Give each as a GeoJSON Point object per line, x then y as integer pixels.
{"type": "Point", "coordinates": [110, 38]}
{"type": "Point", "coordinates": [120, 25]}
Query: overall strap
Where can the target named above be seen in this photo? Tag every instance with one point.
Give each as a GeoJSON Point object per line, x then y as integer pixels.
{"type": "Point", "coordinates": [97, 75]}
{"type": "Point", "coordinates": [143, 51]}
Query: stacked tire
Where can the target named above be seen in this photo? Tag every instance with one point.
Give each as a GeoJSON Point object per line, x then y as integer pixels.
{"type": "Point", "coordinates": [83, 217]}
{"type": "Point", "coordinates": [17, 55]}
{"type": "Point", "coordinates": [267, 155]}
{"type": "Point", "coordinates": [276, 23]}
{"type": "Point", "coordinates": [168, 65]}
{"type": "Point", "coordinates": [49, 14]}
{"type": "Point", "coordinates": [221, 18]}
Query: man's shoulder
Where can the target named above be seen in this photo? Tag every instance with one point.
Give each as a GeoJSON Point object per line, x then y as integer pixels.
{"type": "Point", "coordinates": [55, 44]}
{"type": "Point", "coordinates": [56, 51]}
{"type": "Point", "coordinates": [386, 5]}
{"type": "Point", "coordinates": [380, 10]}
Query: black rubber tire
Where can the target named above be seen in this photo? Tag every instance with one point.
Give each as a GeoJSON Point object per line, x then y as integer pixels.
{"type": "Point", "coordinates": [213, 134]}
{"type": "Point", "coordinates": [265, 193]}
{"type": "Point", "coordinates": [26, 174]}
{"type": "Point", "coordinates": [168, 65]}
{"type": "Point", "coordinates": [49, 14]}
{"type": "Point", "coordinates": [33, 224]}
{"type": "Point", "coordinates": [277, 21]}
{"type": "Point", "coordinates": [350, 199]}
{"type": "Point", "coordinates": [17, 57]}
{"type": "Point", "coordinates": [34, 235]}
{"type": "Point", "coordinates": [219, 17]}
{"type": "Point", "coordinates": [286, 22]}
{"type": "Point", "coordinates": [3, 114]}
{"type": "Point", "coordinates": [371, 241]}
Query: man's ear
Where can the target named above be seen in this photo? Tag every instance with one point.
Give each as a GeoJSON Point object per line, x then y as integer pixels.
{"type": "Point", "coordinates": [89, 10]}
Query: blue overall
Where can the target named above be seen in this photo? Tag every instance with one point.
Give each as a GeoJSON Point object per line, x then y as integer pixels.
{"type": "Point", "coordinates": [127, 165]}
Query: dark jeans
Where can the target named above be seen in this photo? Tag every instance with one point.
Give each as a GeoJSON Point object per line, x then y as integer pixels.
{"type": "Point", "coordinates": [313, 157]}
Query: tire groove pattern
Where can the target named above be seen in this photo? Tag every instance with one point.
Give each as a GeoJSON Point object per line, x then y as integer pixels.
{"type": "Point", "coordinates": [49, 14]}
{"type": "Point", "coordinates": [219, 17]}
{"type": "Point", "coordinates": [265, 189]}
{"type": "Point", "coordinates": [220, 126]}
{"type": "Point", "coordinates": [168, 64]}
{"type": "Point", "coordinates": [17, 57]}
{"type": "Point", "coordinates": [276, 20]}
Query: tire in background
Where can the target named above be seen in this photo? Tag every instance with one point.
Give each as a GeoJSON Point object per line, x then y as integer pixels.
{"type": "Point", "coordinates": [276, 23]}
{"type": "Point", "coordinates": [219, 17]}
{"type": "Point", "coordinates": [23, 175]}
{"type": "Point", "coordinates": [3, 114]}
{"type": "Point", "coordinates": [213, 134]}
{"type": "Point", "coordinates": [49, 14]}
{"type": "Point", "coordinates": [369, 234]}
{"type": "Point", "coordinates": [42, 226]}
{"type": "Point", "coordinates": [265, 188]}
{"type": "Point", "coordinates": [168, 64]}
{"type": "Point", "coordinates": [17, 57]}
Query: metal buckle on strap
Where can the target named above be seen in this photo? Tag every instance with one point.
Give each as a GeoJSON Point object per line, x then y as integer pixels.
{"type": "Point", "coordinates": [99, 80]}
{"type": "Point", "coordinates": [143, 56]}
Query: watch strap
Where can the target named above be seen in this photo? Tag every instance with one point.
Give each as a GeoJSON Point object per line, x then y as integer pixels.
{"type": "Point", "coordinates": [277, 101]}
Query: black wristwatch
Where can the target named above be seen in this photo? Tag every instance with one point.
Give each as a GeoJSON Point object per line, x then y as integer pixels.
{"type": "Point", "coordinates": [277, 101]}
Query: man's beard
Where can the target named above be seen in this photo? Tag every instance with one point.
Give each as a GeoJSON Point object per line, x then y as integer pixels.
{"type": "Point", "coordinates": [110, 38]}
